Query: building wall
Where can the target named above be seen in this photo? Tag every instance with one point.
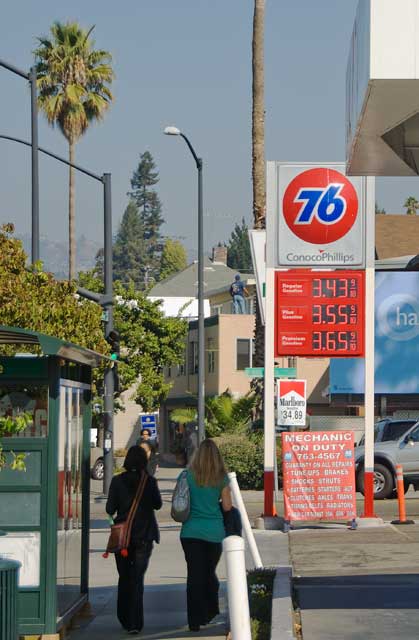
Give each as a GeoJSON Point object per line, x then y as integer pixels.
{"type": "Point", "coordinates": [126, 423]}
{"type": "Point", "coordinates": [232, 328]}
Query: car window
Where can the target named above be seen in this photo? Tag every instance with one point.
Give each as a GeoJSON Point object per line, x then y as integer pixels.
{"type": "Point", "coordinates": [414, 435]}
{"type": "Point", "coordinates": [395, 430]}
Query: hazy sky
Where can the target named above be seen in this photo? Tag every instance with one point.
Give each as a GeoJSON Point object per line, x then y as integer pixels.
{"type": "Point", "coordinates": [188, 63]}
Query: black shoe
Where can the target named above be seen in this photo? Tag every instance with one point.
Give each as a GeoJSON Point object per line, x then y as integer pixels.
{"type": "Point", "coordinates": [133, 632]}
{"type": "Point", "coordinates": [194, 627]}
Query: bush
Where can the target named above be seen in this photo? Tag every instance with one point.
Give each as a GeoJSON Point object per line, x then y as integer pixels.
{"type": "Point", "coordinates": [260, 584]}
{"type": "Point", "coordinates": [244, 456]}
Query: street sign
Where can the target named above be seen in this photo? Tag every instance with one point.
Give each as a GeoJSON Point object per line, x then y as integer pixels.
{"type": "Point", "coordinates": [279, 372]}
{"type": "Point", "coordinates": [292, 403]}
{"type": "Point", "coordinates": [319, 475]}
{"type": "Point", "coordinates": [149, 421]}
{"type": "Point", "coordinates": [257, 239]}
{"type": "Point", "coordinates": [315, 216]}
{"type": "Point", "coordinates": [319, 314]}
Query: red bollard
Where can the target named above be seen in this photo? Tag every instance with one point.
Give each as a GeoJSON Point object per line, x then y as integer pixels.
{"type": "Point", "coordinates": [400, 497]}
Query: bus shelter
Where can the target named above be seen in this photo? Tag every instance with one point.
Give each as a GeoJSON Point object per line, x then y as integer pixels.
{"type": "Point", "coordinates": [45, 509]}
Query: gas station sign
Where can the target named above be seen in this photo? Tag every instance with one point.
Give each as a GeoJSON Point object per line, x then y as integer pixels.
{"type": "Point", "coordinates": [319, 314]}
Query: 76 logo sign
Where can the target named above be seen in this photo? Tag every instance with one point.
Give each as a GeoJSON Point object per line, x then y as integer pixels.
{"type": "Point", "coordinates": [320, 205]}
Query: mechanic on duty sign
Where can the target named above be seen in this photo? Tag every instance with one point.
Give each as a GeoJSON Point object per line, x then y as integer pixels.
{"type": "Point", "coordinates": [315, 216]}
{"type": "Point", "coordinates": [292, 403]}
{"type": "Point", "coordinates": [319, 475]}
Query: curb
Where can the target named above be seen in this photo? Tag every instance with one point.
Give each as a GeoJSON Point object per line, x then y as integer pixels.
{"type": "Point", "coordinates": [282, 608]}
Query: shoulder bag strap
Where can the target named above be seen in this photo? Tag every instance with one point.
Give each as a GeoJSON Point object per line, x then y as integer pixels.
{"type": "Point", "coordinates": [134, 506]}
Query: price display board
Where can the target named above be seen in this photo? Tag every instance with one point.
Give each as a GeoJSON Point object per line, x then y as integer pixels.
{"type": "Point", "coordinates": [319, 313]}
{"type": "Point", "coordinates": [319, 475]}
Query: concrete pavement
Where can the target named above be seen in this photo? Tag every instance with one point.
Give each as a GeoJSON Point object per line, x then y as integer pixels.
{"type": "Point", "coordinates": [165, 590]}
{"type": "Point", "coordinates": [360, 585]}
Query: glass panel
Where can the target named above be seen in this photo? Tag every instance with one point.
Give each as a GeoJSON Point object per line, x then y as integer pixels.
{"type": "Point", "coordinates": [20, 509]}
{"type": "Point", "coordinates": [25, 547]}
{"type": "Point", "coordinates": [243, 354]}
{"type": "Point", "coordinates": [70, 451]}
{"type": "Point", "coordinates": [32, 474]}
{"type": "Point", "coordinates": [32, 399]}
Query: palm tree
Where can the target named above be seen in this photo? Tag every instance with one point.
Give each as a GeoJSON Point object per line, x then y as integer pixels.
{"type": "Point", "coordinates": [412, 205]}
{"type": "Point", "coordinates": [228, 415]}
{"type": "Point", "coordinates": [258, 151]}
{"type": "Point", "coordinates": [73, 85]}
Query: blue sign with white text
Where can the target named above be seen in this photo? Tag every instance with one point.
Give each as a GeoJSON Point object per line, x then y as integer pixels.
{"type": "Point", "coordinates": [149, 421]}
{"type": "Point", "coordinates": [396, 340]}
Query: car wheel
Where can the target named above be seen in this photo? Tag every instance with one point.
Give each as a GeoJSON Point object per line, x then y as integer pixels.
{"type": "Point", "coordinates": [383, 482]}
{"type": "Point", "coordinates": [98, 470]}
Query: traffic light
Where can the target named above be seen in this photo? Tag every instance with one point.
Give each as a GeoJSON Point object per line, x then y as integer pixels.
{"type": "Point", "coordinates": [114, 340]}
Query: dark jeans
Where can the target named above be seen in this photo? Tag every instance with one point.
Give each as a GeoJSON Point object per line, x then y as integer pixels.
{"type": "Point", "coordinates": [202, 587]}
{"type": "Point", "coordinates": [131, 572]}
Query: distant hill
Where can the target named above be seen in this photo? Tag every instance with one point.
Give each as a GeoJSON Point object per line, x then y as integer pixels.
{"type": "Point", "coordinates": [54, 254]}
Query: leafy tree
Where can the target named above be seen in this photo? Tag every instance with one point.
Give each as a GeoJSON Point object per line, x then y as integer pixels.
{"type": "Point", "coordinates": [149, 341]}
{"type": "Point", "coordinates": [73, 84]}
{"type": "Point", "coordinates": [173, 258]}
{"type": "Point", "coordinates": [129, 249]}
{"type": "Point", "coordinates": [411, 205]}
{"type": "Point", "coordinates": [225, 414]}
{"type": "Point", "coordinates": [378, 210]}
{"type": "Point", "coordinates": [144, 178]}
{"type": "Point", "coordinates": [239, 255]}
{"type": "Point", "coordinates": [32, 299]}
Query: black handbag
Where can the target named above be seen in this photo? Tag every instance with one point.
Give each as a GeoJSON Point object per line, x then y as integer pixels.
{"type": "Point", "coordinates": [232, 521]}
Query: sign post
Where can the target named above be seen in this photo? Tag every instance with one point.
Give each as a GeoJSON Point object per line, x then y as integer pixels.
{"type": "Point", "coordinates": [269, 396]}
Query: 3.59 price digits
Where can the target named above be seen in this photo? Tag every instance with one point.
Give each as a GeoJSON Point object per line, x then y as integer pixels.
{"type": "Point", "coordinates": [335, 313]}
{"type": "Point", "coordinates": [335, 340]}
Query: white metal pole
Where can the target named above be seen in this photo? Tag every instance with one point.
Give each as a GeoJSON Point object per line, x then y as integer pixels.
{"type": "Point", "coordinates": [238, 600]}
{"type": "Point", "coordinates": [268, 407]}
{"type": "Point", "coordinates": [238, 502]}
{"type": "Point", "coordinates": [369, 349]}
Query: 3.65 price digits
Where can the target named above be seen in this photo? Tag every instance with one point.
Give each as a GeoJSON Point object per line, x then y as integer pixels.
{"type": "Point", "coordinates": [335, 340]}
{"type": "Point", "coordinates": [335, 288]}
{"type": "Point", "coordinates": [335, 313]}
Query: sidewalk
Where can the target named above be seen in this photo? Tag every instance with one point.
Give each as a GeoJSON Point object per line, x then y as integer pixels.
{"type": "Point", "coordinates": [165, 591]}
{"type": "Point", "coordinates": [360, 584]}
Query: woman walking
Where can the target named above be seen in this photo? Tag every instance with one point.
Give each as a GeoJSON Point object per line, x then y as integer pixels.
{"type": "Point", "coordinates": [202, 534]}
{"type": "Point", "coordinates": [132, 568]}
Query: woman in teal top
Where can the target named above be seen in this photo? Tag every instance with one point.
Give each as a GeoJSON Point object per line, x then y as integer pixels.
{"type": "Point", "coordinates": [202, 534]}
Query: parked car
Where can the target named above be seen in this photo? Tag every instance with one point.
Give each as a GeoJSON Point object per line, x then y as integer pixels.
{"type": "Point", "coordinates": [395, 442]}
{"type": "Point", "coordinates": [97, 466]}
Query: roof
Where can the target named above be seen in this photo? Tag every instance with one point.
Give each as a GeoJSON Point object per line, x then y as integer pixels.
{"type": "Point", "coordinates": [50, 345]}
{"type": "Point", "coordinates": [185, 283]}
{"type": "Point", "coordinates": [396, 235]}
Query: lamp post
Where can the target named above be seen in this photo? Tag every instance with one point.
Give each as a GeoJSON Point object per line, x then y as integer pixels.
{"type": "Point", "coordinates": [31, 76]}
{"type": "Point", "coordinates": [174, 131]}
{"type": "Point", "coordinates": [105, 300]}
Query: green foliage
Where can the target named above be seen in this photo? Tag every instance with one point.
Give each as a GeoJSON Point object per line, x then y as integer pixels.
{"type": "Point", "coordinates": [10, 426]}
{"type": "Point", "coordinates": [183, 415]}
{"type": "Point", "coordinates": [32, 299]}
{"type": "Point", "coordinates": [411, 205]}
{"type": "Point", "coordinates": [129, 249]}
{"type": "Point", "coordinates": [260, 584]}
{"type": "Point", "coordinates": [244, 456]}
{"type": "Point", "coordinates": [73, 79]}
{"type": "Point", "coordinates": [144, 178]}
{"type": "Point", "coordinates": [239, 255]}
{"type": "Point", "coordinates": [224, 414]}
{"type": "Point", "coordinates": [173, 258]}
{"type": "Point", "coordinates": [149, 341]}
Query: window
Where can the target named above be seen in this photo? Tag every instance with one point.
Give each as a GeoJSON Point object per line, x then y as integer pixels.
{"type": "Point", "coordinates": [169, 372]}
{"type": "Point", "coordinates": [292, 362]}
{"type": "Point", "coordinates": [182, 366]}
{"type": "Point", "coordinates": [217, 309]}
{"type": "Point", "coordinates": [244, 353]}
{"type": "Point", "coordinates": [193, 358]}
{"type": "Point", "coordinates": [211, 355]}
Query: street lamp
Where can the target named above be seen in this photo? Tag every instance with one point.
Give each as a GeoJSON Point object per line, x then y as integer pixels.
{"type": "Point", "coordinates": [174, 131]}
{"type": "Point", "coordinates": [31, 76]}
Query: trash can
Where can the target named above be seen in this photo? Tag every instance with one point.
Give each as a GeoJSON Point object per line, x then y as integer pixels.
{"type": "Point", "coordinates": [8, 598]}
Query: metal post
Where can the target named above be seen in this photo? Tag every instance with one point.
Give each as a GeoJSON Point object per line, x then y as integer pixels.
{"type": "Point", "coordinates": [109, 377]}
{"type": "Point", "coordinates": [35, 166]}
{"type": "Point", "coordinates": [269, 400]}
{"type": "Point", "coordinates": [201, 316]}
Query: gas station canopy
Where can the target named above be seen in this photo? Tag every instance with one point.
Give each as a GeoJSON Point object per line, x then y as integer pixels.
{"type": "Point", "coordinates": [382, 90]}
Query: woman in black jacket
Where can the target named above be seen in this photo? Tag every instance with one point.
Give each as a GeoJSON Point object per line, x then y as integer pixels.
{"type": "Point", "coordinates": [131, 569]}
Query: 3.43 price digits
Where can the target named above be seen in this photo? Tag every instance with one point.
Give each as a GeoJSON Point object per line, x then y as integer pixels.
{"type": "Point", "coordinates": [335, 288]}
{"type": "Point", "coordinates": [335, 341]}
{"type": "Point", "coordinates": [335, 313]}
